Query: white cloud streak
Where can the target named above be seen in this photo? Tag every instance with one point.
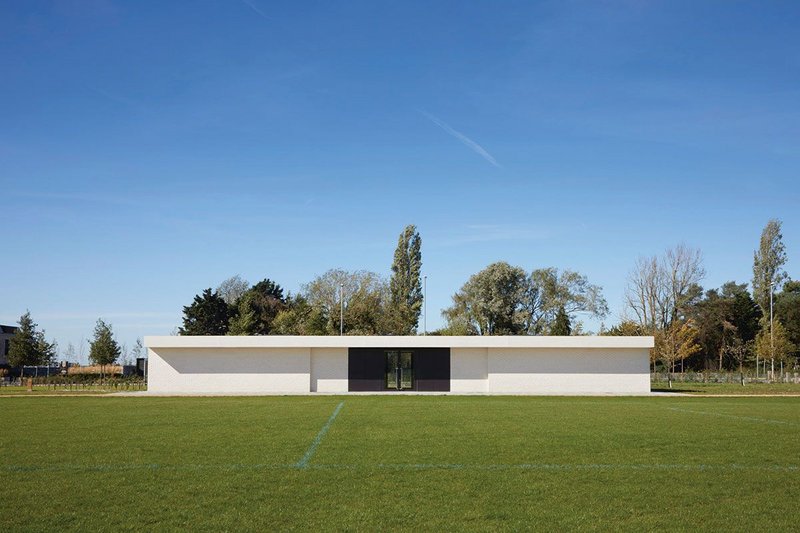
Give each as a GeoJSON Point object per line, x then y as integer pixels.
{"type": "Point", "coordinates": [466, 141]}
{"type": "Point", "coordinates": [255, 8]}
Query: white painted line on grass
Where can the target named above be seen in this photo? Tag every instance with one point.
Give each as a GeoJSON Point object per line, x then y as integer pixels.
{"type": "Point", "coordinates": [739, 417]}
{"type": "Point", "coordinates": [303, 463]}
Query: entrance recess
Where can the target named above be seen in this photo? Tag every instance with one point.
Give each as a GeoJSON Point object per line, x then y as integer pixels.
{"type": "Point", "coordinates": [399, 370]}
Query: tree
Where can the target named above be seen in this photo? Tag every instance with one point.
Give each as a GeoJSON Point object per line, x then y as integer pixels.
{"type": "Point", "coordinates": [561, 325]}
{"type": "Point", "coordinates": [103, 348]}
{"type": "Point", "coordinates": [660, 289]}
{"type": "Point", "coordinates": [503, 300]}
{"type": "Point", "coordinates": [299, 318]}
{"type": "Point", "coordinates": [208, 314]}
{"type": "Point", "coordinates": [776, 346]}
{"type": "Point", "coordinates": [768, 263]}
{"type": "Point", "coordinates": [722, 316]}
{"type": "Point", "coordinates": [739, 351]}
{"type": "Point", "coordinates": [405, 286]}
{"type": "Point", "coordinates": [363, 295]}
{"type": "Point", "coordinates": [69, 353]}
{"type": "Point", "coordinates": [232, 289]}
{"type": "Point", "coordinates": [257, 308]}
{"type": "Point", "coordinates": [626, 328]}
{"type": "Point", "coordinates": [787, 310]}
{"type": "Point", "coordinates": [675, 343]}
{"type": "Point", "coordinates": [491, 302]}
{"type": "Point", "coordinates": [24, 348]}
{"type": "Point", "coordinates": [47, 350]}
{"type": "Point", "coordinates": [550, 291]}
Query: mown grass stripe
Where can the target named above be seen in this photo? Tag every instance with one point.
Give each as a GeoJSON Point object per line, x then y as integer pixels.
{"type": "Point", "coordinates": [303, 462]}
{"type": "Point", "coordinates": [401, 466]}
{"type": "Point", "coordinates": [737, 417]}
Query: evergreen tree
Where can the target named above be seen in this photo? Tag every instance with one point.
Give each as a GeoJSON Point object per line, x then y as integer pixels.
{"type": "Point", "coordinates": [561, 325]}
{"type": "Point", "coordinates": [207, 315]}
{"type": "Point", "coordinates": [24, 346]}
{"type": "Point", "coordinates": [257, 309]}
{"type": "Point", "coordinates": [405, 301]}
{"type": "Point", "coordinates": [787, 310]}
{"type": "Point", "coordinates": [47, 350]}
{"type": "Point", "coordinates": [103, 348]}
{"type": "Point", "coordinates": [768, 263]}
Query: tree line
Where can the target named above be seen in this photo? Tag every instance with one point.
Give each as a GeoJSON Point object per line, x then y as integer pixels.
{"type": "Point", "coordinates": [499, 300]}
{"type": "Point", "coordinates": [725, 328]}
{"type": "Point", "coordinates": [30, 347]}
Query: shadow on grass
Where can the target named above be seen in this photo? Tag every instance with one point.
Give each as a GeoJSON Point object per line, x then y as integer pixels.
{"type": "Point", "coordinates": [666, 389]}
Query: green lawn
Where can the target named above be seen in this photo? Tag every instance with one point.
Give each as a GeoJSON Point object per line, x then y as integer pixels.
{"type": "Point", "coordinates": [728, 388]}
{"type": "Point", "coordinates": [399, 463]}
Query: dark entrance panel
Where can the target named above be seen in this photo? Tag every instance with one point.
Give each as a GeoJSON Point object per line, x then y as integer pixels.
{"type": "Point", "coordinates": [380, 369]}
{"type": "Point", "coordinates": [432, 369]}
{"type": "Point", "coordinates": [365, 369]}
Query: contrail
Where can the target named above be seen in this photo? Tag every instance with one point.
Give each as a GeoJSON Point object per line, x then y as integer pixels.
{"type": "Point", "coordinates": [475, 147]}
{"type": "Point", "coordinates": [252, 6]}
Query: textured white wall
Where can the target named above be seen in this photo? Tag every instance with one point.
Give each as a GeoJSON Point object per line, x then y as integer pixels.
{"type": "Point", "coordinates": [329, 369]}
{"type": "Point", "coordinates": [229, 370]}
{"type": "Point", "coordinates": [568, 370]}
{"type": "Point", "coordinates": [469, 369]}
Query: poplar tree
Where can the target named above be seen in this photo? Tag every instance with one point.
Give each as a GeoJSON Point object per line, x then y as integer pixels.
{"type": "Point", "coordinates": [405, 300]}
{"type": "Point", "coordinates": [768, 263]}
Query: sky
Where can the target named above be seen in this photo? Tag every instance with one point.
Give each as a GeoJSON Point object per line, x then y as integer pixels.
{"type": "Point", "coordinates": [149, 150]}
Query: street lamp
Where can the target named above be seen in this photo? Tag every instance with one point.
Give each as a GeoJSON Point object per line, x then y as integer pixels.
{"type": "Point", "coordinates": [771, 336]}
{"type": "Point", "coordinates": [425, 305]}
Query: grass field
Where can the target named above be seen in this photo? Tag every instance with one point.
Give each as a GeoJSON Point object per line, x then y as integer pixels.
{"type": "Point", "coordinates": [728, 388]}
{"type": "Point", "coordinates": [400, 463]}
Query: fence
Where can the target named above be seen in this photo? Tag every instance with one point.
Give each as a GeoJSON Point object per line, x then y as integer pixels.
{"type": "Point", "coordinates": [726, 377]}
{"type": "Point", "coordinates": [67, 383]}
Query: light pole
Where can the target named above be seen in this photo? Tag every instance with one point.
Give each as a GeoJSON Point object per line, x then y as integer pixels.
{"type": "Point", "coordinates": [425, 305]}
{"type": "Point", "coordinates": [771, 341]}
{"type": "Point", "coordinates": [341, 309]}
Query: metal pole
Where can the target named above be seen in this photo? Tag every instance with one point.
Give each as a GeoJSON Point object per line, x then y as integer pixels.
{"type": "Point", "coordinates": [341, 309]}
{"type": "Point", "coordinates": [771, 342]}
{"type": "Point", "coordinates": [424, 305]}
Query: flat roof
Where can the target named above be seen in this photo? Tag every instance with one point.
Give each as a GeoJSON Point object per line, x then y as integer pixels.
{"type": "Point", "coordinates": [393, 341]}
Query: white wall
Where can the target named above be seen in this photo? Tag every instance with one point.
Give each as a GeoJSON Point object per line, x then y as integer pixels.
{"type": "Point", "coordinates": [329, 369]}
{"type": "Point", "coordinates": [229, 370]}
{"type": "Point", "coordinates": [532, 365]}
{"type": "Point", "coordinates": [568, 370]}
{"type": "Point", "coordinates": [469, 369]}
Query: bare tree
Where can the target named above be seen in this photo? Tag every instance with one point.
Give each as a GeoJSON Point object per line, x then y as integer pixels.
{"type": "Point", "coordinates": [232, 289]}
{"type": "Point", "coordinates": [660, 287]}
{"type": "Point", "coordinates": [646, 294]}
{"type": "Point", "coordinates": [684, 267]}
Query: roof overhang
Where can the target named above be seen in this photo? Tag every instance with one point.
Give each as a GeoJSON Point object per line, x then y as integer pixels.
{"type": "Point", "coordinates": [390, 341]}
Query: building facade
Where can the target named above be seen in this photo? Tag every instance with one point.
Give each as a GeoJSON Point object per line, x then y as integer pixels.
{"type": "Point", "coordinates": [488, 365]}
{"type": "Point", "coordinates": [6, 332]}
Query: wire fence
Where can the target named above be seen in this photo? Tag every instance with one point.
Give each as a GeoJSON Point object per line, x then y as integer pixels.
{"type": "Point", "coordinates": [726, 377]}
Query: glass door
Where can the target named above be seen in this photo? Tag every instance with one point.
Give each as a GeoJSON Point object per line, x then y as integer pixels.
{"type": "Point", "coordinates": [399, 370]}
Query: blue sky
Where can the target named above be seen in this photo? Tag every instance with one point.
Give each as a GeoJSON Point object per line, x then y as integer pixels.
{"type": "Point", "coordinates": [151, 149]}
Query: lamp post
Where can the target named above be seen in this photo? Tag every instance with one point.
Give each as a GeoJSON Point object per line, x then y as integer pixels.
{"type": "Point", "coordinates": [771, 336]}
{"type": "Point", "coordinates": [341, 309]}
{"type": "Point", "coordinates": [425, 305]}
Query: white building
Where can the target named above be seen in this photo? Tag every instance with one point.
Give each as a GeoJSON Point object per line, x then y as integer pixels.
{"type": "Point", "coordinates": [289, 364]}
